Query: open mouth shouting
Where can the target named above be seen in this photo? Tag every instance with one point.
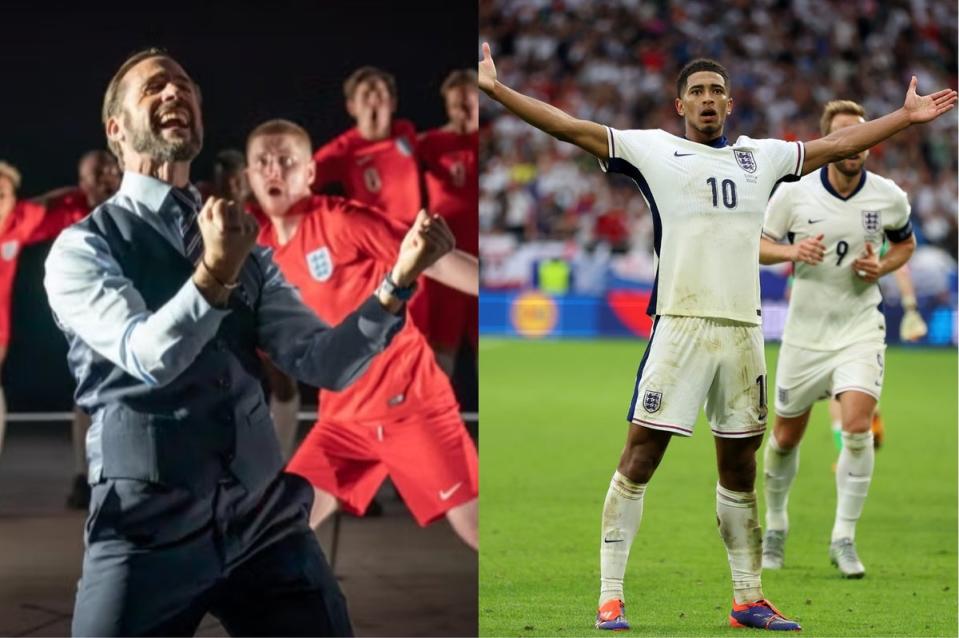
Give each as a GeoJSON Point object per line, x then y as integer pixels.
{"type": "Point", "coordinates": [174, 117]}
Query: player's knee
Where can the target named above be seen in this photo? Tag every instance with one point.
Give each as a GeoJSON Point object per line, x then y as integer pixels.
{"type": "Point", "coordinates": [637, 465]}
{"type": "Point", "coordinates": [787, 438]}
{"type": "Point", "coordinates": [857, 424]}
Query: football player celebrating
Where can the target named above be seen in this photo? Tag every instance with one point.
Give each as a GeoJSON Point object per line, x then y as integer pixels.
{"type": "Point", "coordinates": [834, 339]}
{"type": "Point", "coordinates": [375, 161]}
{"type": "Point", "coordinates": [401, 418]}
{"type": "Point", "coordinates": [449, 158]}
{"type": "Point", "coordinates": [25, 222]}
{"type": "Point", "coordinates": [707, 198]}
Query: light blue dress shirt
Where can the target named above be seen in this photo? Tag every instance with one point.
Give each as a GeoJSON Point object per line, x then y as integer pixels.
{"type": "Point", "coordinates": [94, 302]}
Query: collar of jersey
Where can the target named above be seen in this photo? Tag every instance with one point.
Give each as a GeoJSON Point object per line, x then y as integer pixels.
{"type": "Point", "coordinates": [719, 142]}
{"type": "Point", "coordinates": [824, 177]}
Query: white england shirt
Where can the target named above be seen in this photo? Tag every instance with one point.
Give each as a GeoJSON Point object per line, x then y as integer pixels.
{"type": "Point", "coordinates": [707, 203]}
{"type": "Point", "coordinates": [831, 307]}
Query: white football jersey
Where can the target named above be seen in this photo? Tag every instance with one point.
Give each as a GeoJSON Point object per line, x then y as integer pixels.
{"type": "Point", "coordinates": [830, 306]}
{"type": "Point", "coordinates": [707, 203]}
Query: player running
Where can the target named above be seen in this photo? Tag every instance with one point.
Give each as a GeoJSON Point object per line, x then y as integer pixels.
{"type": "Point", "coordinates": [707, 199]}
{"type": "Point", "coordinates": [449, 159]}
{"type": "Point", "coordinates": [401, 417]}
{"type": "Point", "coordinates": [834, 340]}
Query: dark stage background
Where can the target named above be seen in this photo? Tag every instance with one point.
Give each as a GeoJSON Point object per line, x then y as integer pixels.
{"type": "Point", "coordinates": [252, 63]}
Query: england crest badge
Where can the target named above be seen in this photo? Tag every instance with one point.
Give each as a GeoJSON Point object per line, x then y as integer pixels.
{"type": "Point", "coordinates": [8, 250]}
{"type": "Point", "coordinates": [652, 401]}
{"type": "Point", "coordinates": [745, 160]}
{"type": "Point", "coordinates": [320, 263]}
{"type": "Point", "coordinates": [871, 221]}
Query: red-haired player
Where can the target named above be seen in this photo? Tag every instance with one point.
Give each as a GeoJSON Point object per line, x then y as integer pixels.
{"type": "Point", "coordinates": [401, 417]}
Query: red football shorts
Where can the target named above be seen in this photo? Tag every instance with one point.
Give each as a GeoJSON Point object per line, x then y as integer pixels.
{"type": "Point", "coordinates": [430, 458]}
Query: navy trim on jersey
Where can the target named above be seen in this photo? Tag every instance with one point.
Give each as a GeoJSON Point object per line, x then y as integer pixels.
{"type": "Point", "coordinates": [900, 234]}
{"type": "Point", "coordinates": [621, 166]}
{"type": "Point", "coordinates": [719, 142]}
{"type": "Point", "coordinates": [639, 372]}
{"type": "Point", "coordinates": [824, 178]}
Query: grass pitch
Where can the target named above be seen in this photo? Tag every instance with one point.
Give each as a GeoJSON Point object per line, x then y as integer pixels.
{"type": "Point", "coordinates": [553, 428]}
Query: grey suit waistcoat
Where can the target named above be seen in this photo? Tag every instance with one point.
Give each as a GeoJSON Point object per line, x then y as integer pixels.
{"type": "Point", "coordinates": [211, 421]}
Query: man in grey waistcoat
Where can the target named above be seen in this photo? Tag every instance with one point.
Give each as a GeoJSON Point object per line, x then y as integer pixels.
{"type": "Point", "coordinates": [165, 305]}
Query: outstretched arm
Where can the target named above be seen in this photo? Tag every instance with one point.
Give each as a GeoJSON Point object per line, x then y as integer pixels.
{"type": "Point", "coordinates": [850, 140]}
{"type": "Point", "coordinates": [589, 136]}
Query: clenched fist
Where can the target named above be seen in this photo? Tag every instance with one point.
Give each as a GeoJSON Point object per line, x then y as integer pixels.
{"type": "Point", "coordinates": [228, 233]}
{"type": "Point", "coordinates": [428, 239]}
{"type": "Point", "coordinates": [810, 250]}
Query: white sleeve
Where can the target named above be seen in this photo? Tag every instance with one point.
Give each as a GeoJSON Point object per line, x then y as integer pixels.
{"type": "Point", "coordinates": [779, 213]}
{"type": "Point", "coordinates": [786, 158]}
{"type": "Point", "coordinates": [630, 151]}
{"type": "Point", "coordinates": [898, 227]}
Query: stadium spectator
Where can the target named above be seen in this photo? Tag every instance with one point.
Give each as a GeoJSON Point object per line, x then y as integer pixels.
{"type": "Point", "coordinates": [611, 61]}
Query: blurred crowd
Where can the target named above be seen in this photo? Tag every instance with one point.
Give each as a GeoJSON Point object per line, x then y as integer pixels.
{"type": "Point", "coordinates": [615, 62]}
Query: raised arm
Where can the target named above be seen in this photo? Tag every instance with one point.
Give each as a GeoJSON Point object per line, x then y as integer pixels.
{"type": "Point", "coordinates": [850, 140]}
{"type": "Point", "coordinates": [589, 136]}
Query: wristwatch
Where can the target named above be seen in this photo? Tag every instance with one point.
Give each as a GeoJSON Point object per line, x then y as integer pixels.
{"type": "Point", "coordinates": [389, 287]}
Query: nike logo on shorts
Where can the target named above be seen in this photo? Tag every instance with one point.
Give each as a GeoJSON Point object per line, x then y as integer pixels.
{"type": "Point", "coordinates": [816, 221]}
{"type": "Point", "coordinates": [678, 154]}
{"type": "Point", "coordinates": [446, 494]}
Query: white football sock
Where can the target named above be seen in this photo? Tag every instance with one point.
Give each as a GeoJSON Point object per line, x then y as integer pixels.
{"type": "Point", "coordinates": [622, 513]}
{"type": "Point", "coordinates": [779, 471]}
{"type": "Point", "coordinates": [853, 475]}
{"type": "Point", "coordinates": [285, 421]}
{"type": "Point", "coordinates": [738, 518]}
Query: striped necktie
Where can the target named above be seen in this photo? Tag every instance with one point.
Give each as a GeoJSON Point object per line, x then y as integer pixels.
{"type": "Point", "coordinates": [189, 225]}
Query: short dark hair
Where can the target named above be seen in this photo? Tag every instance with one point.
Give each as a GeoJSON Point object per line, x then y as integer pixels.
{"type": "Point", "coordinates": [114, 96]}
{"type": "Point", "coordinates": [699, 64]}
{"type": "Point", "coordinates": [460, 77]}
{"type": "Point", "coordinates": [365, 73]}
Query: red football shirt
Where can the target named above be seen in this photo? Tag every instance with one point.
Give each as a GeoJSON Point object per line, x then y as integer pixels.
{"type": "Point", "coordinates": [27, 224]}
{"type": "Point", "coordinates": [383, 173]}
{"type": "Point", "coordinates": [337, 257]}
{"type": "Point", "coordinates": [450, 164]}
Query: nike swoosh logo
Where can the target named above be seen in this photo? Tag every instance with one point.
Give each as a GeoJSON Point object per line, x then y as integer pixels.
{"type": "Point", "coordinates": [678, 154]}
{"type": "Point", "coordinates": [606, 540]}
{"type": "Point", "coordinates": [446, 494]}
{"type": "Point", "coordinates": [815, 221]}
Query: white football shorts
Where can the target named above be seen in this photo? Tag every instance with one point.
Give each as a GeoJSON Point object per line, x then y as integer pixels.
{"type": "Point", "coordinates": [805, 376]}
{"type": "Point", "coordinates": [692, 361]}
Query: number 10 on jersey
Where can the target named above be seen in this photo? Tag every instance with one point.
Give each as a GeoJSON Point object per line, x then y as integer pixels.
{"type": "Point", "coordinates": [728, 188]}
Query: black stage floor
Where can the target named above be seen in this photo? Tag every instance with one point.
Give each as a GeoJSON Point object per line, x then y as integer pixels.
{"type": "Point", "coordinates": [400, 580]}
